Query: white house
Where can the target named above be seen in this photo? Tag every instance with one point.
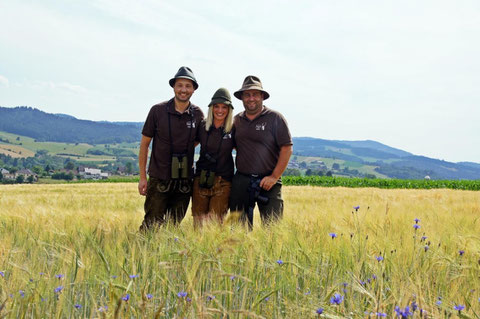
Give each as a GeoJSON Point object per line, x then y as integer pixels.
{"type": "Point", "coordinates": [92, 173]}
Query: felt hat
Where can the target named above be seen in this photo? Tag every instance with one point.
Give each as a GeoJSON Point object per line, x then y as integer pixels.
{"type": "Point", "coordinates": [251, 82]}
{"type": "Point", "coordinates": [184, 73]}
{"type": "Point", "coordinates": [221, 96]}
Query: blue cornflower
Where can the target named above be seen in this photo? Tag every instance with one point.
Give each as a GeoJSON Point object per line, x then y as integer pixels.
{"type": "Point", "coordinates": [78, 306]}
{"type": "Point", "coordinates": [59, 276]}
{"type": "Point", "coordinates": [416, 220]}
{"type": "Point", "coordinates": [133, 276]}
{"type": "Point", "coordinates": [103, 308]}
{"type": "Point", "coordinates": [114, 277]}
{"type": "Point", "coordinates": [175, 239]}
{"type": "Point", "coordinates": [209, 298]}
{"type": "Point", "coordinates": [459, 307]}
{"type": "Point", "coordinates": [2, 274]}
{"type": "Point", "coordinates": [333, 235]}
{"type": "Point", "coordinates": [189, 299]}
{"type": "Point", "coordinates": [319, 311]}
{"type": "Point", "coordinates": [280, 262]}
{"type": "Point", "coordinates": [423, 238]}
{"type": "Point", "coordinates": [416, 226]}
{"type": "Point", "coordinates": [41, 273]}
{"type": "Point", "coordinates": [307, 293]}
{"type": "Point", "coordinates": [267, 298]}
{"type": "Point", "coordinates": [149, 296]}
{"type": "Point", "coordinates": [336, 299]}
{"type": "Point", "coordinates": [461, 252]}
{"type": "Point", "coordinates": [126, 297]}
{"type": "Point", "coordinates": [58, 289]}
{"type": "Point", "coordinates": [43, 299]}
{"type": "Point", "coordinates": [439, 302]}
{"type": "Point", "coordinates": [356, 208]}
{"type": "Point", "coordinates": [232, 277]}
{"type": "Point", "coordinates": [374, 276]}
{"type": "Point", "coordinates": [381, 314]}
{"type": "Point", "coordinates": [182, 294]}
{"type": "Point", "coordinates": [422, 312]}
{"type": "Point", "coordinates": [379, 258]}
{"type": "Point", "coordinates": [22, 293]}
{"type": "Point", "coordinates": [426, 247]}
{"type": "Point", "coordinates": [405, 313]}
{"type": "Point", "coordinates": [414, 306]}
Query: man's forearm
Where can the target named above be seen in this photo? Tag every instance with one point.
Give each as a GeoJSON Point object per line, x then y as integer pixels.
{"type": "Point", "coordinates": [142, 157]}
{"type": "Point", "coordinates": [282, 163]}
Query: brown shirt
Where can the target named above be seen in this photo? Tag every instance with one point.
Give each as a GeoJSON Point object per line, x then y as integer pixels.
{"type": "Point", "coordinates": [258, 142]}
{"type": "Point", "coordinates": [183, 129]}
{"type": "Point", "coordinates": [218, 145]}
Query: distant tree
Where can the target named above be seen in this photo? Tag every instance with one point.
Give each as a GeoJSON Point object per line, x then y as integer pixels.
{"type": "Point", "coordinates": [63, 175]}
{"type": "Point", "coordinates": [309, 172]}
{"type": "Point", "coordinates": [48, 168]}
{"type": "Point", "coordinates": [129, 167]}
{"type": "Point", "coordinates": [30, 179]}
{"type": "Point", "coordinates": [20, 179]}
{"type": "Point", "coordinates": [1, 176]}
{"type": "Point", "coordinates": [320, 173]}
{"type": "Point", "coordinates": [336, 166]}
{"type": "Point", "coordinates": [292, 172]}
{"type": "Point", "coordinates": [370, 176]}
{"type": "Point", "coordinates": [69, 165]}
{"type": "Point", "coordinates": [37, 169]}
{"type": "Point", "coordinates": [18, 138]}
{"type": "Point", "coordinates": [329, 174]}
{"type": "Point", "coordinates": [303, 165]}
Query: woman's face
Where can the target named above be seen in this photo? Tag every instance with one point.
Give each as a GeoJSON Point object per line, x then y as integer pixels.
{"type": "Point", "coordinates": [220, 111]}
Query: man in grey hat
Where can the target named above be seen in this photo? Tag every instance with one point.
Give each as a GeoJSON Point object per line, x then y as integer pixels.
{"type": "Point", "coordinates": [173, 126]}
{"type": "Point", "coordinates": [264, 147]}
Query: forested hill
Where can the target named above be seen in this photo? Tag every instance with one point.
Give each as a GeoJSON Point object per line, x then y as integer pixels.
{"type": "Point", "coordinates": [43, 126]}
{"type": "Point", "coordinates": [355, 157]}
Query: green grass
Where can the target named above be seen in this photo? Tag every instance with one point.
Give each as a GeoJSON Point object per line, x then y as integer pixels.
{"type": "Point", "coordinates": [381, 183]}
{"type": "Point", "coordinates": [324, 181]}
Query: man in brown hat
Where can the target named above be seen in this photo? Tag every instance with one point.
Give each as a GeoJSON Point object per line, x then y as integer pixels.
{"type": "Point", "coordinates": [173, 126]}
{"type": "Point", "coordinates": [264, 147]}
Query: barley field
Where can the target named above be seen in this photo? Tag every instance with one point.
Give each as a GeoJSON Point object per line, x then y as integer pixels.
{"type": "Point", "coordinates": [73, 251]}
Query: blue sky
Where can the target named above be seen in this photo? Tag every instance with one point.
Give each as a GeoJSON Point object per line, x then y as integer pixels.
{"type": "Point", "coordinates": [404, 73]}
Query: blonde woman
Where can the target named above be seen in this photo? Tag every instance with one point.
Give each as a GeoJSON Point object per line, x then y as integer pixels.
{"type": "Point", "coordinates": [214, 169]}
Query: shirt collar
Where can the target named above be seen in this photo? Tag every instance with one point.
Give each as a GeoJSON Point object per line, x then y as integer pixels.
{"type": "Point", "coordinates": [171, 108]}
{"type": "Point", "coordinates": [264, 111]}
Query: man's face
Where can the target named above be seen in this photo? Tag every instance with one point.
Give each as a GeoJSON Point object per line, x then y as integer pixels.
{"type": "Point", "coordinates": [252, 101]}
{"type": "Point", "coordinates": [183, 89]}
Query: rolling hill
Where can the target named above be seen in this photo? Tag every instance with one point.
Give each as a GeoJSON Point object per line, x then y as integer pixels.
{"type": "Point", "coordinates": [351, 156]}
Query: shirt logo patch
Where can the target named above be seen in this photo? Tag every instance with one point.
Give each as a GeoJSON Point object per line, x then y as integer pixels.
{"type": "Point", "coordinates": [227, 136]}
{"type": "Point", "coordinates": [261, 127]}
{"type": "Point", "coordinates": [191, 124]}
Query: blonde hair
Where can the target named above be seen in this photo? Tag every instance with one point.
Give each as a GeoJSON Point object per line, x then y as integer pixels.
{"type": "Point", "coordinates": [227, 125]}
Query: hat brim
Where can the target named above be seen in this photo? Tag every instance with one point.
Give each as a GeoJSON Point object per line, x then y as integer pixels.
{"type": "Point", "coordinates": [221, 101]}
{"type": "Point", "coordinates": [172, 81]}
{"type": "Point", "coordinates": [239, 93]}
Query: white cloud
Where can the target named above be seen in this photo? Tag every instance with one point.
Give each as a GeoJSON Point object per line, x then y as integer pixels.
{"type": "Point", "coordinates": [4, 81]}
